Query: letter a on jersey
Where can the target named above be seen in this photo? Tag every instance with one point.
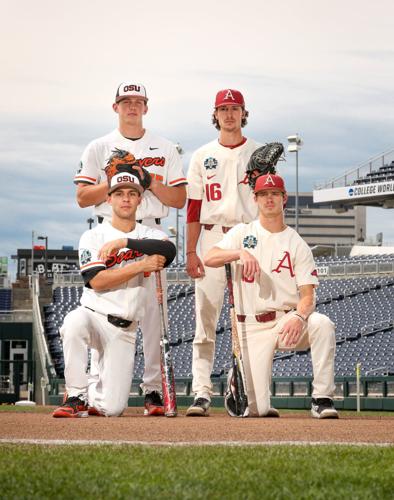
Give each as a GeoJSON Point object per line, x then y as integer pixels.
{"type": "Point", "coordinates": [285, 263]}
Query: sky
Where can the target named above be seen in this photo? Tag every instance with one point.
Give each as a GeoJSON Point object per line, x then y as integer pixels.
{"type": "Point", "coordinates": [323, 70]}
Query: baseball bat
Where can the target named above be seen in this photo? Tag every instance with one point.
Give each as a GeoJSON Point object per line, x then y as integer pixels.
{"type": "Point", "coordinates": [239, 381]}
{"type": "Point", "coordinates": [167, 369]}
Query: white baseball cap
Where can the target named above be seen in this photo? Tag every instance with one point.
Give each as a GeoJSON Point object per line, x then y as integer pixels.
{"type": "Point", "coordinates": [124, 179]}
{"type": "Point", "coordinates": [126, 89]}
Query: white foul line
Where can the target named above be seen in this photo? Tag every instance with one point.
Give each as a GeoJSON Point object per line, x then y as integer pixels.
{"type": "Point", "coordinates": [88, 442]}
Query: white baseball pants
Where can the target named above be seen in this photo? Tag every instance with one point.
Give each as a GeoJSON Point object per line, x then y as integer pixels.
{"type": "Point", "coordinates": [108, 388]}
{"type": "Point", "coordinates": [209, 296]}
{"type": "Point", "coordinates": [259, 341]}
{"type": "Point", "coordinates": [151, 330]}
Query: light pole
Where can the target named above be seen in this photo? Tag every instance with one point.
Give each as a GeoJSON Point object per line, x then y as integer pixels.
{"type": "Point", "coordinates": [90, 221]}
{"type": "Point", "coordinates": [174, 233]}
{"type": "Point", "coordinates": [46, 253]}
{"type": "Point", "coordinates": [295, 143]}
{"type": "Point", "coordinates": [32, 254]}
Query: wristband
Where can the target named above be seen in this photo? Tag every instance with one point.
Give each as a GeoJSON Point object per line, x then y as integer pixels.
{"type": "Point", "coordinates": [301, 317]}
{"type": "Point", "coordinates": [190, 251]}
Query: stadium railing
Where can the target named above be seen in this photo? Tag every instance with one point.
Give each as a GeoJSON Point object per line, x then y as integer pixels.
{"type": "Point", "coordinates": [45, 369]}
{"type": "Point", "coordinates": [362, 170]}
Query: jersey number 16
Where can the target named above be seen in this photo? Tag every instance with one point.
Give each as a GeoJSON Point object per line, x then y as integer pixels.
{"type": "Point", "coordinates": [213, 191]}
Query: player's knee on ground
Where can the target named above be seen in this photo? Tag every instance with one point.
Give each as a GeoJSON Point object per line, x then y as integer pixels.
{"type": "Point", "coordinates": [259, 408]}
{"type": "Point", "coordinates": [113, 410]}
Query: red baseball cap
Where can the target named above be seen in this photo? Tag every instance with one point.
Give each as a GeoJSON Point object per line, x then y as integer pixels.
{"type": "Point", "coordinates": [229, 97]}
{"type": "Point", "coordinates": [269, 181]}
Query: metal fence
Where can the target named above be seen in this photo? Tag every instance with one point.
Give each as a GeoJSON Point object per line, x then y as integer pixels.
{"type": "Point", "coordinates": [16, 380]}
{"type": "Point", "coordinates": [355, 269]}
{"type": "Point", "coordinates": [362, 170]}
{"type": "Point", "coordinates": [74, 278]}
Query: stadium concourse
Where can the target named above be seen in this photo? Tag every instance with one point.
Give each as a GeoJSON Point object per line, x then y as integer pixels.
{"type": "Point", "coordinates": [357, 293]}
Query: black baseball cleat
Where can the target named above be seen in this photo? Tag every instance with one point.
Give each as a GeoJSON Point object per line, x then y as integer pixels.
{"type": "Point", "coordinates": [73, 407]}
{"type": "Point", "coordinates": [200, 408]}
{"type": "Point", "coordinates": [323, 408]}
{"type": "Point", "coordinates": [153, 404]}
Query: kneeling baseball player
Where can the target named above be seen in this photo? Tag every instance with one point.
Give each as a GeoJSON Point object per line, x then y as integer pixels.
{"type": "Point", "coordinates": [275, 277]}
{"type": "Point", "coordinates": [112, 303]}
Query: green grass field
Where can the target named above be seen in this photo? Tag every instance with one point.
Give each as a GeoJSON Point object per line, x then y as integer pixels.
{"type": "Point", "coordinates": [206, 472]}
{"type": "Point", "coordinates": [212, 472]}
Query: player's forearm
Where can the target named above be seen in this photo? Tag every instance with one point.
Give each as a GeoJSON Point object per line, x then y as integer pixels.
{"type": "Point", "coordinates": [171, 196]}
{"type": "Point", "coordinates": [193, 230]}
{"type": "Point", "coordinates": [89, 195]}
{"type": "Point", "coordinates": [307, 303]}
{"type": "Point", "coordinates": [112, 278]}
{"type": "Point", "coordinates": [217, 257]}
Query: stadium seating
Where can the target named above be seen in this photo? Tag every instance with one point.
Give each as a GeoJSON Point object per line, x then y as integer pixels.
{"type": "Point", "coordinates": [383, 174]}
{"type": "Point", "coordinates": [362, 309]}
{"type": "Point", "coordinates": [5, 299]}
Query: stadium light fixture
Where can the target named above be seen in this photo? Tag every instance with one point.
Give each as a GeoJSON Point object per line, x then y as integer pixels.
{"type": "Point", "coordinates": [295, 143]}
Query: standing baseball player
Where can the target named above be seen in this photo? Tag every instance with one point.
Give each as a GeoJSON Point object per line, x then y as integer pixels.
{"type": "Point", "coordinates": [219, 197]}
{"type": "Point", "coordinates": [167, 189]}
{"type": "Point", "coordinates": [112, 303]}
{"type": "Point", "coordinates": [275, 278]}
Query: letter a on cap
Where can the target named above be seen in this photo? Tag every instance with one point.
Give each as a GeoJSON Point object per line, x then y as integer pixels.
{"type": "Point", "coordinates": [269, 180]}
{"type": "Point", "coordinates": [229, 95]}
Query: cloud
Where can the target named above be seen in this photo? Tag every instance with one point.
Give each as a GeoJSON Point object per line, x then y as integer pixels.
{"type": "Point", "coordinates": [324, 73]}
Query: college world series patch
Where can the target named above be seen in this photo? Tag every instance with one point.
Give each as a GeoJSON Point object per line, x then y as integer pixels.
{"type": "Point", "coordinates": [250, 241]}
{"type": "Point", "coordinates": [210, 163]}
{"type": "Point", "coordinates": [85, 257]}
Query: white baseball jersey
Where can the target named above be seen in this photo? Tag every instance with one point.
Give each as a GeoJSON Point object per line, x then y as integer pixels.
{"type": "Point", "coordinates": [217, 177]}
{"type": "Point", "coordinates": [286, 263]}
{"type": "Point", "coordinates": [127, 300]}
{"type": "Point", "coordinates": [158, 155]}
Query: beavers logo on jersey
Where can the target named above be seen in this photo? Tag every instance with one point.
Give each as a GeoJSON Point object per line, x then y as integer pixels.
{"type": "Point", "coordinates": [79, 170]}
{"type": "Point", "coordinates": [85, 256]}
{"type": "Point", "coordinates": [148, 161]}
{"type": "Point", "coordinates": [122, 256]}
{"type": "Point", "coordinates": [210, 163]}
{"type": "Point", "coordinates": [250, 241]}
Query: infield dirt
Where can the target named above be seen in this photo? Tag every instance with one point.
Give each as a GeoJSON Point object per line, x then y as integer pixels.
{"type": "Point", "coordinates": [219, 427]}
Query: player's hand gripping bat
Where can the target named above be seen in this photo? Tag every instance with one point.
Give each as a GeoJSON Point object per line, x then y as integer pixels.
{"type": "Point", "coordinates": [167, 369]}
{"type": "Point", "coordinates": [236, 400]}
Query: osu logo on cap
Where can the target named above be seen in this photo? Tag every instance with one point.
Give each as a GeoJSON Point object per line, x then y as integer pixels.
{"type": "Point", "coordinates": [130, 88]}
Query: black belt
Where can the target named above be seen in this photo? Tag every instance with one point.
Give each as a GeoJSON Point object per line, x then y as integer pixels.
{"type": "Point", "coordinates": [157, 220]}
{"type": "Point", "coordinates": [114, 320]}
{"type": "Point", "coordinates": [120, 322]}
{"type": "Point", "coordinates": [100, 220]}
